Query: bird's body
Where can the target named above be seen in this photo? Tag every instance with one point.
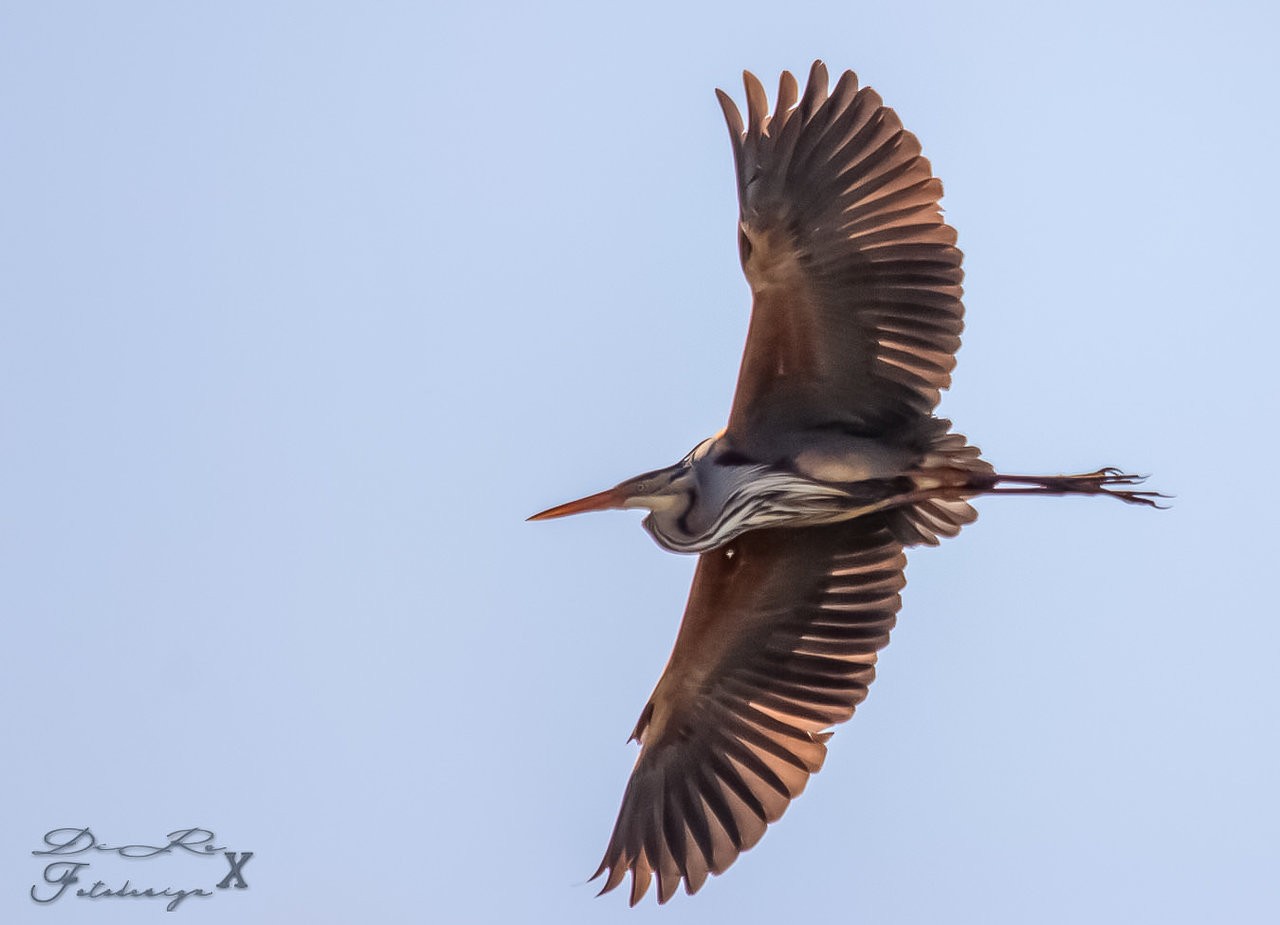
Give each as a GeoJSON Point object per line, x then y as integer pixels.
{"type": "Point", "coordinates": [831, 464]}
{"type": "Point", "coordinates": [717, 493]}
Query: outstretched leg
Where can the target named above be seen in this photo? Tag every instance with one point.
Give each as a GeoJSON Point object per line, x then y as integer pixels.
{"type": "Point", "coordinates": [953, 484]}
{"type": "Point", "coordinates": [1102, 482]}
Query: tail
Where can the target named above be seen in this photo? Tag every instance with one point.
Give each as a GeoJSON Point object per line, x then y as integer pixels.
{"type": "Point", "coordinates": [935, 515]}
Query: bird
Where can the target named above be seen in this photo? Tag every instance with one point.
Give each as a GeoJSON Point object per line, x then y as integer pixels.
{"type": "Point", "coordinates": [831, 465]}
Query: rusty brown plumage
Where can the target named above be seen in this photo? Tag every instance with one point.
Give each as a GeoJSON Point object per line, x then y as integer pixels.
{"type": "Point", "coordinates": [832, 462]}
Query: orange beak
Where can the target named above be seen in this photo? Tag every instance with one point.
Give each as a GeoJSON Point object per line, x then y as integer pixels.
{"type": "Point", "coordinates": [601, 501]}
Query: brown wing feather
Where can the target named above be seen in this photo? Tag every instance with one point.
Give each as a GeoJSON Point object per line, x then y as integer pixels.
{"type": "Point", "coordinates": [855, 276]}
{"type": "Point", "coordinates": [778, 644]}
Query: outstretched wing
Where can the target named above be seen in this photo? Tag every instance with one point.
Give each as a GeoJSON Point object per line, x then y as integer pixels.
{"type": "Point", "coordinates": [778, 644]}
{"type": "Point", "coordinates": [855, 277]}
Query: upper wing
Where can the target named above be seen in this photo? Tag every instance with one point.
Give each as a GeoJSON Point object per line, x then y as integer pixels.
{"type": "Point", "coordinates": [855, 276]}
{"type": "Point", "coordinates": [778, 644]}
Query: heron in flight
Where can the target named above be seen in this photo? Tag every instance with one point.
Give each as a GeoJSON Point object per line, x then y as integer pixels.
{"type": "Point", "coordinates": [831, 464]}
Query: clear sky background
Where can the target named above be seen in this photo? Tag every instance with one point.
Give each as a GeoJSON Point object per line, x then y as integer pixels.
{"type": "Point", "coordinates": [305, 306]}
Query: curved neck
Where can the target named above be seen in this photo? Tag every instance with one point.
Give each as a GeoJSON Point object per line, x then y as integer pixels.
{"type": "Point", "coordinates": [730, 500]}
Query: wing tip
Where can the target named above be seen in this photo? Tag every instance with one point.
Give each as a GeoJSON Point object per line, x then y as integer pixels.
{"type": "Point", "coordinates": [732, 117]}
{"type": "Point", "coordinates": [757, 104]}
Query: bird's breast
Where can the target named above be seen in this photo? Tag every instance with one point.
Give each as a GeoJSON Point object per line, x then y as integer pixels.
{"type": "Point", "coordinates": [852, 459]}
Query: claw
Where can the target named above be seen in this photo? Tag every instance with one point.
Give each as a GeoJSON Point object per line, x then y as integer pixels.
{"type": "Point", "coordinates": [1139, 497]}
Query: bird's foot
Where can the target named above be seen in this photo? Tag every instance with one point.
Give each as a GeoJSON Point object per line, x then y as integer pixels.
{"type": "Point", "coordinates": [1102, 482]}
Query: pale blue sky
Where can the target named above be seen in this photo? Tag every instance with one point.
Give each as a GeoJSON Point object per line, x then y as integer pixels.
{"type": "Point", "coordinates": [307, 306]}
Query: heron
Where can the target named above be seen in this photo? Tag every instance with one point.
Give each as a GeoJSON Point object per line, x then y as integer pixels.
{"type": "Point", "coordinates": [831, 465]}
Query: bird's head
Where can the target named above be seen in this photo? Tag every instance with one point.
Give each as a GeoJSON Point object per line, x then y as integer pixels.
{"type": "Point", "coordinates": [659, 491]}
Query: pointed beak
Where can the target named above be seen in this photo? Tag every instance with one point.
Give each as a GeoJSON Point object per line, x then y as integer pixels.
{"type": "Point", "coordinates": [601, 501]}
